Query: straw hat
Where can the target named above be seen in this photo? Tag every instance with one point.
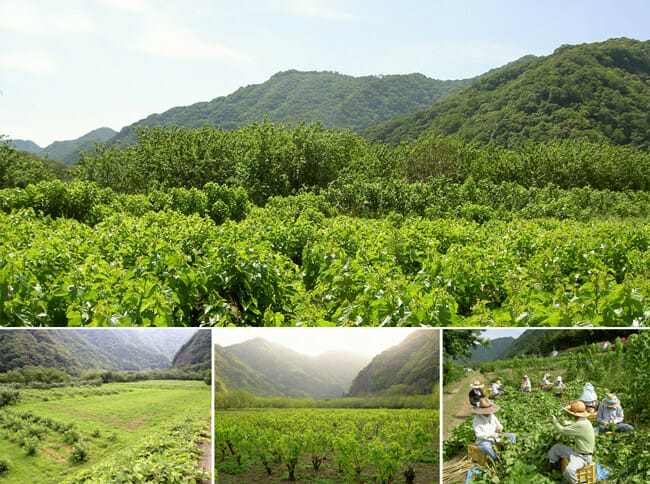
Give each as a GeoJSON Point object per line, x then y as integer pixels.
{"type": "Point", "coordinates": [476, 384]}
{"type": "Point", "coordinates": [577, 408]}
{"type": "Point", "coordinates": [611, 401]}
{"type": "Point", "coordinates": [485, 407]}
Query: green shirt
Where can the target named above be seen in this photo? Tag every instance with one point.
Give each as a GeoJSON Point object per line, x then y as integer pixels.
{"type": "Point", "coordinates": [583, 433]}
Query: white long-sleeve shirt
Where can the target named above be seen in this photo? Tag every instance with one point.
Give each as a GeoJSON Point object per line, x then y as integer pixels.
{"type": "Point", "coordinates": [485, 426]}
{"type": "Point", "coordinates": [608, 415]}
{"type": "Point", "coordinates": [495, 388]}
{"type": "Point", "coordinates": [526, 384]}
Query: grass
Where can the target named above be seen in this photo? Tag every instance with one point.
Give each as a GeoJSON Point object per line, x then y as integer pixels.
{"type": "Point", "coordinates": [107, 419]}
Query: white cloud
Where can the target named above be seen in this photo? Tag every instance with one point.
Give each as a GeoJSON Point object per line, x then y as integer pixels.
{"type": "Point", "coordinates": [312, 9]}
{"type": "Point", "coordinates": [33, 61]}
{"type": "Point", "coordinates": [162, 35]}
{"type": "Point", "coordinates": [164, 38]}
{"type": "Point", "coordinates": [25, 18]}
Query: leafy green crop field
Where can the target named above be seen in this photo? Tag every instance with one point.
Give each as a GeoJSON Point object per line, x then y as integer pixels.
{"type": "Point", "coordinates": [623, 371]}
{"type": "Point", "coordinates": [54, 435]}
{"type": "Point", "coordinates": [289, 264]}
{"type": "Point", "coordinates": [327, 446]}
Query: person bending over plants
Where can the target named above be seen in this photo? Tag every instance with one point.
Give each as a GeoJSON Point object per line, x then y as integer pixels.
{"type": "Point", "coordinates": [546, 383]}
{"type": "Point", "coordinates": [526, 386]}
{"type": "Point", "coordinates": [585, 441]}
{"type": "Point", "coordinates": [589, 397]}
{"type": "Point", "coordinates": [475, 394]}
{"type": "Point", "coordinates": [496, 389]}
{"type": "Point", "coordinates": [488, 429]}
{"type": "Point", "coordinates": [610, 415]}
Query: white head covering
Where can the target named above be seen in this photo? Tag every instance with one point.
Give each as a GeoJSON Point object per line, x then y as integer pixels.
{"type": "Point", "coordinates": [588, 393]}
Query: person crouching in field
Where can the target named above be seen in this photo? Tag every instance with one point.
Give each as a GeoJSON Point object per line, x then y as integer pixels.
{"type": "Point", "coordinates": [476, 393]}
{"type": "Point", "coordinates": [589, 397]}
{"type": "Point", "coordinates": [488, 429]}
{"type": "Point", "coordinates": [526, 386]}
{"type": "Point", "coordinates": [546, 383]}
{"type": "Point", "coordinates": [609, 413]}
{"type": "Point", "coordinates": [496, 389]}
{"type": "Point", "coordinates": [558, 385]}
{"type": "Point", "coordinates": [585, 441]}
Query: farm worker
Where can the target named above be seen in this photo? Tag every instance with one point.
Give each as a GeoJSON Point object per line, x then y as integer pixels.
{"type": "Point", "coordinates": [496, 389]}
{"type": "Point", "coordinates": [559, 386]}
{"type": "Point", "coordinates": [589, 397]}
{"type": "Point", "coordinates": [585, 439]}
{"type": "Point", "coordinates": [475, 394]}
{"type": "Point", "coordinates": [611, 412]}
{"type": "Point", "coordinates": [526, 385]}
{"type": "Point", "coordinates": [546, 383]}
{"type": "Point", "coordinates": [488, 429]}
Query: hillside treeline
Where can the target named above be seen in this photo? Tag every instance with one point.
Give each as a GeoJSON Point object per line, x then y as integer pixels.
{"type": "Point", "coordinates": [217, 173]}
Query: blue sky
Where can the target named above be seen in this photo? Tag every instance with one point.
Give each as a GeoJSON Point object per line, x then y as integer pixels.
{"type": "Point", "coordinates": [71, 66]}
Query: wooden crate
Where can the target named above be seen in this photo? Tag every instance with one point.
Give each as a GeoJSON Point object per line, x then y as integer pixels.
{"type": "Point", "coordinates": [477, 455]}
{"type": "Point", "coordinates": [586, 475]}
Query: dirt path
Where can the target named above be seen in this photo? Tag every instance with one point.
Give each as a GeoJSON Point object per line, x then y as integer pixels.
{"type": "Point", "coordinates": [206, 461]}
{"type": "Point", "coordinates": [456, 406]}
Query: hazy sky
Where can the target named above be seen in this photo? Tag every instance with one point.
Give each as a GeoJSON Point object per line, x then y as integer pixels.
{"type": "Point", "coordinates": [70, 66]}
{"type": "Point", "coordinates": [316, 341]}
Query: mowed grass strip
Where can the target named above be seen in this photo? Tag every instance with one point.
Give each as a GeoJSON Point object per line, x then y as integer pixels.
{"type": "Point", "coordinates": [104, 423]}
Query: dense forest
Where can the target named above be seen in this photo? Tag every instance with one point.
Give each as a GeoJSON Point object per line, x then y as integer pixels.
{"type": "Point", "coordinates": [598, 91]}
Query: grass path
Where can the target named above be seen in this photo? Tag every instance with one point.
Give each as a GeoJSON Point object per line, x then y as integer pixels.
{"type": "Point", "coordinates": [456, 406]}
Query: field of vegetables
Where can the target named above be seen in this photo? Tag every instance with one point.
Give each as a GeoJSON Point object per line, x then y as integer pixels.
{"type": "Point", "coordinates": [327, 446]}
{"type": "Point", "coordinates": [127, 432]}
{"type": "Point", "coordinates": [623, 371]}
{"type": "Point", "coordinates": [296, 262]}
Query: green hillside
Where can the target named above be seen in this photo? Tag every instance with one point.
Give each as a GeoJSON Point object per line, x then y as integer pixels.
{"type": "Point", "coordinates": [77, 350]}
{"type": "Point", "coordinates": [533, 342]}
{"type": "Point", "coordinates": [19, 349]}
{"type": "Point", "coordinates": [598, 91]}
{"type": "Point", "coordinates": [410, 367]}
{"type": "Point", "coordinates": [195, 353]}
{"type": "Point", "coordinates": [231, 374]}
{"type": "Point", "coordinates": [68, 151]}
{"type": "Point", "coordinates": [339, 101]}
{"type": "Point", "coordinates": [498, 346]}
{"type": "Point", "coordinates": [291, 373]}
{"type": "Point", "coordinates": [126, 351]}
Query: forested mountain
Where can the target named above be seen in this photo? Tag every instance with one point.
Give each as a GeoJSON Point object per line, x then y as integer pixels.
{"type": "Point", "coordinates": [269, 369]}
{"type": "Point", "coordinates": [410, 367]}
{"type": "Point", "coordinates": [498, 346]}
{"type": "Point", "coordinates": [338, 100]}
{"type": "Point", "coordinates": [77, 350]}
{"type": "Point", "coordinates": [599, 91]}
{"type": "Point", "coordinates": [20, 348]}
{"type": "Point", "coordinates": [195, 353]}
{"type": "Point", "coordinates": [232, 374]}
{"type": "Point", "coordinates": [66, 151]}
{"type": "Point", "coordinates": [128, 351]}
{"type": "Point", "coordinates": [533, 342]}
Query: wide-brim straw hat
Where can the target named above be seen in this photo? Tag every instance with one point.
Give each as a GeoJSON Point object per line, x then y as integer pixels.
{"type": "Point", "coordinates": [476, 384]}
{"type": "Point", "coordinates": [485, 407]}
{"type": "Point", "coordinates": [611, 401]}
{"type": "Point", "coordinates": [577, 408]}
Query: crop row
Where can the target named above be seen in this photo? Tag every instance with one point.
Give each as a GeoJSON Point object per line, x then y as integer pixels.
{"type": "Point", "coordinates": [169, 454]}
{"type": "Point", "coordinates": [388, 442]}
{"type": "Point", "coordinates": [290, 264]}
